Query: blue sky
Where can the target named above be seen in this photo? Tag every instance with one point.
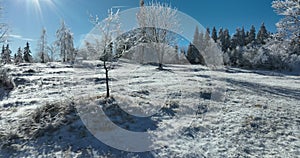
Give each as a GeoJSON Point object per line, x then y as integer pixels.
{"type": "Point", "coordinates": [27, 17]}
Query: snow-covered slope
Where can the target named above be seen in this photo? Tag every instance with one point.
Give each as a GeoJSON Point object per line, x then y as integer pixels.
{"type": "Point", "coordinates": [198, 112]}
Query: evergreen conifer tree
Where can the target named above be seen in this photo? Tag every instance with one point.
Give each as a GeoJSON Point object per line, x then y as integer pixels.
{"type": "Point", "coordinates": [214, 35]}
{"type": "Point", "coordinates": [6, 58]}
{"type": "Point", "coordinates": [18, 56]}
{"type": "Point", "coordinates": [262, 34]}
{"type": "Point", "coordinates": [252, 35]}
{"type": "Point", "coordinates": [27, 54]}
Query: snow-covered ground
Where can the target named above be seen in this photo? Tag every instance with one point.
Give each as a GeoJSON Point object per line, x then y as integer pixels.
{"type": "Point", "coordinates": [193, 111]}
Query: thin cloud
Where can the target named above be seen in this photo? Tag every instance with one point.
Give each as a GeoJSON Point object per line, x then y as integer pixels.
{"type": "Point", "coordinates": [19, 37]}
{"type": "Point", "coordinates": [120, 6]}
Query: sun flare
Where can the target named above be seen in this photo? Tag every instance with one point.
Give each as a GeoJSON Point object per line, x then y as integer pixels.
{"type": "Point", "coordinates": [36, 1]}
{"type": "Point", "coordinates": [37, 7]}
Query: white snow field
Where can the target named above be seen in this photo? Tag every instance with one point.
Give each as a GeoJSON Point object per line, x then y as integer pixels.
{"type": "Point", "coordinates": [193, 111]}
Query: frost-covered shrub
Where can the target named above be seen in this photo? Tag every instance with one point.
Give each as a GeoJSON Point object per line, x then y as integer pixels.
{"type": "Point", "coordinates": [235, 56]}
{"type": "Point", "coordinates": [277, 55]}
{"type": "Point", "coordinates": [48, 118]}
{"type": "Point", "coordinates": [294, 62]}
{"type": "Point", "coordinates": [247, 57]}
{"type": "Point", "coordinates": [274, 55]}
{"type": "Point", "coordinates": [213, 55]}
{"type": "Point", "coordinates": [5, 81]}
{"type": "Point", "coordinates": [267, 59]}
{"type": "Point", "coordinates": [226, 58]}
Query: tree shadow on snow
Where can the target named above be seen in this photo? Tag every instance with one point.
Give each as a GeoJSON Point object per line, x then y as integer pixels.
{"type": "Point", "coordinates": [3, 93]}
{"type": "Point", "coordinates": [128, 122]}
{"type": "Point", "coordinates": [256, 87]}
{"type": "Point", "coordinates": [263, 72]}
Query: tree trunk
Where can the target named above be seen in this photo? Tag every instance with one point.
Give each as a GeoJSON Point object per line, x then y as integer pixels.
{"type": "Point", "coordinates": [106, 79]}
{"type": "Point", "coordinates": [160, 66]}
{"type": "Point", "coordinates": [43, 58]}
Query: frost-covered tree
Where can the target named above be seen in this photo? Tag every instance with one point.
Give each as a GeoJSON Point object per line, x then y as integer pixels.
{"type": "Point", "coordinates": [252, 35]}
{"type": "Point", "coordinates": [160, 20]}
{"type": "Point", "coordinates": [2, 53]}
{"type": "Point", "coordinates": [70, 48]}
{"type": "Point", "coordinates": [220, 35]}
{"type": "Point", "coordinates": [224, 39]}
{"type": "Point", "coordinates": [201, 45]}
{"type": "Point", "coordinates": [194, 50]}
{"type": "Point", "coordinates": [196, 39]}
{"type": "Point", "coordinates": [65, 43]}
{"type": "Point", "coordinates": [239, 38]}
{"type": "Point", "coordinates": [199, 40]}
{"type": "Point", "coordinates": [182, 56]}
{"type": "Point", "coordinates": [52, 50]}
{"type": "Point", "coordinates": [221, 39]}
{"type": "Point", "coordinates": [19, 56]}
{"type": "Point", "coordinates": [3, 28]}
{"type": "Point", "coordinates": [194, 56]}
{"type": "Point", "coordinates": [262, 34]}
{"type": "Point", "coordinates": [207, 51]}
{"type": "Point", "coordinates": [101, 46]}
{"type": "Point", "coordinates": [27, 54]}
{"type": "Point", "coordinates": [176, 49]}
{"type": "Point", "coordinates": [234, 39]}
{"type": "Point", "coordinates": [6, 55]}
{"type": "Point", "coordinates": [214, 35]}
{"type": "Point", "coordinates": [207, 35]}
{"type": "Point", "coordinates": [142, 3]}
{"type": "Point", "coordinates": [42, 45]}
{"type": "Point", "coordinates": [213, 55]}
{"type": "Point", "coordinates": [242, 41]}
{"type": "Point", "coordinates": [227, 39]}
{"type": "Point", "coordinates": [204, 40]}
{"type": "Point", "coordinates": [289, 26]}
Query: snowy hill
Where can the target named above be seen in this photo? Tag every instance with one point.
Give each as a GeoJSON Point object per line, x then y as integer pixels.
{"type": "Point", "coordinates": [193, 111]}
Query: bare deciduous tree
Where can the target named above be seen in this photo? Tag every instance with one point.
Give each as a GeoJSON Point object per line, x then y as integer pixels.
{"type": "Point", "coordinates": [100, 44]}
{"type": "Point", "coordinates": [52, 50]}
{"type": "Point", "coordinates": [42, 45]}
{"type": "Point", "coordinates": [3, 28]}
{"type": "Point", "coordinates": [159, 22]}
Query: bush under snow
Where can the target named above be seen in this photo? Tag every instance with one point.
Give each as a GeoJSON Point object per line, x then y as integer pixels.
{"type": "Point", "coordinates": [275, 55]}
{"type": "Point", "coordinates": [5, 81]}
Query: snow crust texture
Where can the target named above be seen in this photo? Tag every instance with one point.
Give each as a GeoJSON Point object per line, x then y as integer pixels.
{"type": "Point", "coordinates": [256, 113]}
